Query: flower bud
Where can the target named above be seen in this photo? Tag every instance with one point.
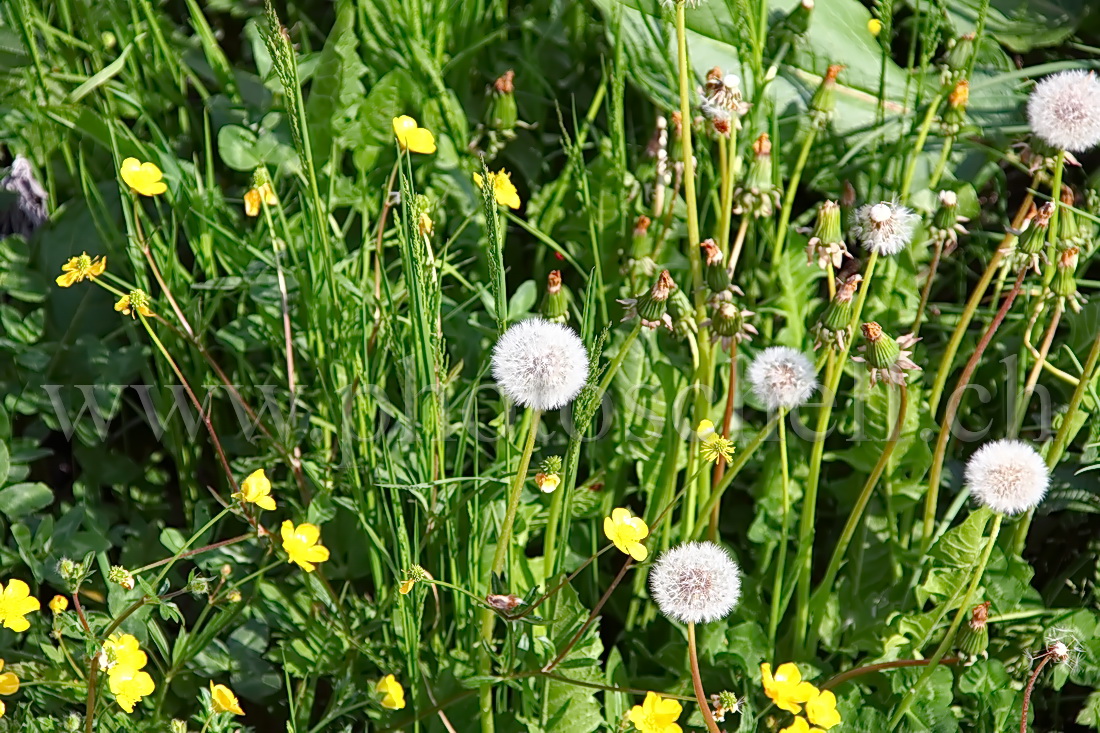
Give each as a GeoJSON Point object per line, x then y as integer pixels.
{"type": "Point", "coordinates": [758, 194]}
{"type": "Point", "coordinates": [1033, 238]}
{"type": "Point", "coordinates": [177, 726]}
{"type": "Point", "coordinates": [798, 22]}
{"type": "Point", "coordinates": [959, 52]}
{"type": "Point", "coordinates": [826, 245]}
{"type": "Point", "coordinates": [682, 312]}
{"type": "Point", "coordinates": [886, 358]}
{"type": "Point", "coordinates": [729, 322]}
{"type": "Point", "coordinates": [549, 476]}
{"type": "Point", "coordinates": [832, 327]}
{"type": "Point", "coordinates": [715, 273]}
{"type": "Point", "coordinates": [503, 114]}
{"type": "Point", "coordinates": [555, 306]}
{"type": "Point", "coordinates": [650, 307]}
{"type": "Point", "coordinates": [70, 571]}
{"type": "Point", "coordinates": [946, 223]}
{"type": "Point", "coordinates": [824, 102]}
{"type": "Point", "coordinates": [121, 576]}
{"type": "Point", "coordinates": [1065, 280]}
{"type": "Point", "coordinates": [972, 639]}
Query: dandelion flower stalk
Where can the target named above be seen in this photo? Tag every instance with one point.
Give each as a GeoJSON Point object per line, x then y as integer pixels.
{"type": "Point", "coordinates": [784, 532]}
{"type": "Point", "coordinates": [697, 682]}
{"type": "Point", "coordinates": [689, 161]}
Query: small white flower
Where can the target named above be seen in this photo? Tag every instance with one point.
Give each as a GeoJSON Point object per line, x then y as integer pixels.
{"type": "Point", "coordinates": [782, 377]}
{"type": "Point", "coordinates": [1064, 110]}
{"type": "Point", "coordinates": [695, 582]}
{"type": "Point", "coordinates": [1008, 476]}
{"type": "Point", "coordinates": [540, 365]}
{"type": "Point", "coordinates": [885, 227]}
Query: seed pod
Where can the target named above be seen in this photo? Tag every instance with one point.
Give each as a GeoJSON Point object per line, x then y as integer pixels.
{"type": "Point", "coordinates": [972, 639]}
{"type": "Point", "coordinates": [824, 102]}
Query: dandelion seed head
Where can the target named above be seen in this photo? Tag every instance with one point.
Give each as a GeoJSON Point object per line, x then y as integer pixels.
{"type": "Point", "coordinates": [540, 365]}
{"type": "Point", "coordinates": [695, 582]}
{"type": "Point", "coordinates": [1008, 476]}
{"type": "Point", "coordinates": [782, 377]}
{"type": "Point", "coordinates": [1064, 110]}
{"type": "Point", "coordinates": [885, 228]}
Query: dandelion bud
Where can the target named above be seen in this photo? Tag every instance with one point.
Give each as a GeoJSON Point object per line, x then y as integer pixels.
{"type": "Point", "coordinates": [946, 223]}
{"type": "Point", "coordinates": [758, 195]}
{"type": "Point", "coordinates": [886, 358]}
{"type": "Point", "coordinates": [954, 117]}
{"type": "Point", "coordinates": [1065, 281]}
{"type": "Point", "coordinates": [826, 245]}
{"type": "Point", "coordinates": [539, 364]}
{"type": "Point", "coordinates": [824, 102]}
{"type": "Point", "coordinates": [650, 307]}
{"type": "Point", "coordinates": [715, 273]}
{"type": "Point", "coordinates": [782, 377]}
{"type": "Point", "coordinates": [832, 327]}
{"type": "Point", "coordinates": [555, 306]}
{"type": "Point", "coordinates": [1032, 240]}
{"type": "Point", "coordinates": [1008, 476]}
{"type": "Point", "coordinates": [959, 52]}
{"type": "Point", "coordinates": [972, 639]}
{"type": "Point", "coordinates": [1064, 110]}
{"type": "Point", "coordinates": [682, 311]}
{"type": "Point", "coordinates": [121, 576]}
{"type": "Point", "coordinates": [1069, 230]}
{"type": "Point", "coordinates": [639, 264]}
{"type": "Point", "coordinates": [885, 228]}
{"type": "Point", "coordinates": [730, 323]}
{"type": "Point", "coordinates": [695, 582]}
{"type": "Point", "coordinates": [502, 107]}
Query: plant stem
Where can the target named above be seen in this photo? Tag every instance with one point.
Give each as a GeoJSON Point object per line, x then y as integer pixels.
{"type": "Point", "coordinates": [591, 617]}
{"type": "Point", "coordinates": [500, 555]}
{"type": "Point", "coordinates": [937, 253]}
{"type": "Point", "coordinates": [729, 168]}
{"type": "Point", "coordinates": [697, 682]}
{"type": "Point", "coordinates": [1040, 359]}
{"type": "Point", "coordinates": [727, 420]}
{"type": "Point", "coordinates": [949, 637]}
{"type": "Point", "coordinates": [1027, 691]}
{"type": "Point", "coordinates": [781, 560]}
{"type": "Point", "coordinates": [735, 255]}
{"type": "Point", "coordinates": [688, 158]}
{"type": "Point", "coordinates": [792, 189]}
{"type": "Point", "coordinates": [972, 303]}
{"type": "Point", "coordinates": [918, 146]}
{"type": "Point", "coordinates": [931, 497]}
{"type": "Point", "coordinates": [880, 667]}
{"type": "Point", "coordinates": [741, 458]}
{"type": "Point", "coordinates": [806, 532]}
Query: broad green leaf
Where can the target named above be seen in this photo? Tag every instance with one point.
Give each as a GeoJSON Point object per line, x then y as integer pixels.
{"type": "Point", "coordinates": [19, 500]}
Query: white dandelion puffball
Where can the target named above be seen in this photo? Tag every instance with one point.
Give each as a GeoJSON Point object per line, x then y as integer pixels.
{"type": "Point", "coordinates": [1064, 110]}
{"type": "Point", "coordinates": [695, 582]}
{"type": "Point", "coordinates": [540, 365]}
{"type": "Point", "coordinates": [885, 228]}
{"type": "Point", "coordinates": [1008, 476]}
{"type": "Point", "coordinates": [782, 377]}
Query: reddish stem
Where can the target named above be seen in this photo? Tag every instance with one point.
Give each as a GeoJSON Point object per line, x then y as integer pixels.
{"type": "Point", "coordinates": [1030, 687]}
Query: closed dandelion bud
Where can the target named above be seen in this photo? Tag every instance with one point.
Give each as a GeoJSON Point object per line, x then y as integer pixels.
{"type": "Point", "coordinates": [832, 327]}
{"type": "Point", "coordinates": [651, 306]}
{"type": "Point", "coordinates": [824, 101]}
{"type": "Point", "coordinates": [1069, 230]}
{"type": "Point", "coordinates": [758, 195]}
{"type": "Point", "coordinates": [683, 315]}
{"type": "Point", "coordinates": [947, 225]}
{"type": "Point", "coordinates": [715, 273]}
{"type": "Point", "coordinates": [502, 107]}
{"type": "Point", "coordinates": [640, 239]}
{"type": "Point", "coordinates": [121, 576]}
{"type": "Point", "coordinates": [1065, 280]}
{"type": "Point", "coordinates": [555, 306]}
{"type": "Point", "coordinates": [959, 52]}
{"type": "Point", "coordinates": [882, 350]}
{"type": "Point", "coordinates": [887, 360]}
{"type": "Point", "coordinates": [826, 246]}
{"type": "Point", "coordinates": [729, 322]}
{"type": "Point", "coordinates": [1033, 238]}
{"type": "Point", "coordinates": [972, 639]}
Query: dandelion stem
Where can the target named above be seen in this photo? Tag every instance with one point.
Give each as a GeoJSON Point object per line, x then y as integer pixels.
{"type": "Point", "coordinates": [781, 561]}
{"type": "Point", "coordinates": [935, 473]}
{"type": "Point", "coordinates": [949, 637]}
{"type": "Point", "coordinates": [1028, 690]}
{"type": "Point", "coordinates": [937, 253]}
{"type": "Point", "coordinates": [735, 255]}
{"type": "Point", "coordinates": [880, 667]}
{"type": "Point", "coordinates": [697, 682]}
{"type": "Point", "coordinates": [792, 189]}
{"type": "Point", "coordinates": [688, 159]}
{"type": "Point", "coordinates": [728, 149]}
{"type": "Point", "coordinates": [918, 146]}
{"type": "Point", "coordinates": [1040, 359]}
{"type": "Point", "coordinates": [806, 532]}
{"type": "Point", "coordinates": [591, 617]}
{"type": "Point", "coordinates": [727, 420]}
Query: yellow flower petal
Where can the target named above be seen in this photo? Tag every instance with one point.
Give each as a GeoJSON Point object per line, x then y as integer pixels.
{"type": "Point", "coordinates": [222, 700]}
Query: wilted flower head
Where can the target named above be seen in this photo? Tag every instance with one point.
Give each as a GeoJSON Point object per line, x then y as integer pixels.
{"type": "Point", "coordinates": [832, 328]}
{"type": "Point", "coordinates": [885, 228]}
{"type": "Point", "coordinates": [28, 211]}
{"type": "Point", "coordinates": [826, 245]}
{"type": "Point", "coordinates": [947, 225]}
{"type": "Point", "coordinates": [886, 358]}
{"type": "Point", "coordinates": [1008, 476]}
{"type": "Point", "coordinates": [651, 306]}
{"type": "Point", "coordinates": [758, 194]}
{"type": "Point", "coordinates": [721, 101]}
{"type": "Point", "coordinates": [782, 377]}
{"type": "Point", "coordinates": [1064, 110]}
{"type": "Point", "coordinates": [540, 365]}
{"type": "Point", "coordinates": [729, 322]}
{"type": "Point", "coordinates": [695, 582]}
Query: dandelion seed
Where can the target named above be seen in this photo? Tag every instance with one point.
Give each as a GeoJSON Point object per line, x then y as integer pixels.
{"type": "Point", "coordinates": [393, 694]}
{"type": "Point", "coordinates": [1008, 476]}
{"type": "Point", "coordinates": [540, 365]}
{"type": "Point", "coordinates": [884, 228]}
{"type": "Point", "coordinates": [1064, 110]}
{"type": "Point", "coordinates": [411, 136]}
{"type": "Point", "coordinates": [695, 582]}
{"type": "Point", "coordinates": [144, 178]}
{"type": "Point", "coordinates": [782, 377]}
{"type": "Point", "coordinates": [15, 603]}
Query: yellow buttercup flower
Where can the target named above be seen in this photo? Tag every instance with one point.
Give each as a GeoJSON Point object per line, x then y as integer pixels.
{"type": "Point", "coordinates": [80, 267]}
{"type": "Point", "coordinates": [425, 225]}
{"type": "Point", "coordinates": [656, 715]}
{"type": "Point", "coordinates": [9, 683]}
{"type": "Point", "coordinates": [547, 482]}
{"type": "Point", "coordinates": [264, 193]}
{"type": "Point", "coordinates": [393, 694]}
{"type": "Point", "coordinates": [302, 544]}
{"type": "Point", "coordinates": [137, 302]}
{"type": "Point", "coordinates": [821, 710]}
{"type": "Point", "coordinates": [714, 446]}
{"type": "Point", "coordinates": [222, 700]}
{"type": "Point", "coordinates": [503, 190]}
{"type": "Point", "coordinates": [256, 489]}
{"type": "Point", "coordinates": [145, 178]}
{"type": "Point", "coordinates": [411, 136]}
{"type": "Point", "coordinates": [122, 652]}
{"type": "Point", "coordinates": [626, 532]}
{"type": "Point", "coordinates": [874, 25]}
{"type": "Point", "coordinates": [58, 604]}
{"type": "Point", "coordinates": [16, 602]}
{"type": "Point", "coordinates": [800, 726]}
{"type": "Point", "coordinates": [406, 586]}
{"type": "Point", "coordinates": [786, 688]}
{"type": "Point", "coordinates": [129, 686]}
